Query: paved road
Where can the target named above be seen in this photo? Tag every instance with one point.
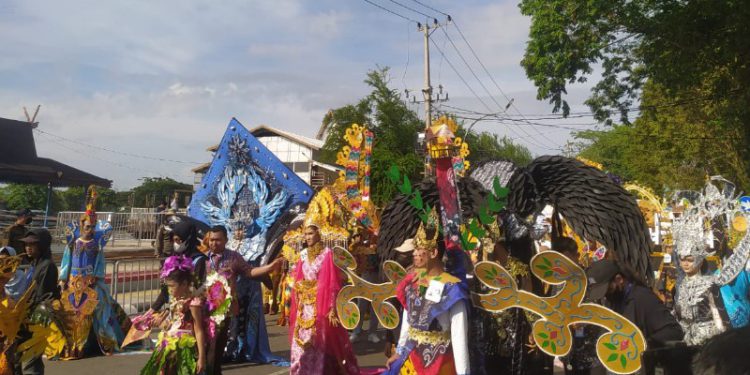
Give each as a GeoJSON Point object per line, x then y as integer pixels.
{"type": "Point", "coordinates": [131, 363]}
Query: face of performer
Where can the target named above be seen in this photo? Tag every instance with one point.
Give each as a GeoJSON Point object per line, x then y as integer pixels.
{"type": "Point", "coordinates": [616, 288]}
{"type": "Point", "coordinates": [217, 242]}
{"type": "Point", "coordinates": [423, 257]}
{"type": "Point", "coordinates": [688, 264]}
{"type": "Point", "coordinates": [312, 236]}
{"type": "Point", "coordinates": [88, 230]}
{"type": "Point", "coordinates": [178, 289]}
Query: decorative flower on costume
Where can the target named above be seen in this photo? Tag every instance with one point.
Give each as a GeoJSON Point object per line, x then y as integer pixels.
{"type": "Point", "coordinates": [218, 298]}
{"type": "Point", "coordinates": [178, 262]}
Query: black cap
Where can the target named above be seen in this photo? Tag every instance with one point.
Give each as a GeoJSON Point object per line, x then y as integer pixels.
{"type": "Point", "coordinates": [599, 275]}
{"type": "Point", "coordinates": [24, 213]}
{"type": "Point", "coordinates": [37, 235]}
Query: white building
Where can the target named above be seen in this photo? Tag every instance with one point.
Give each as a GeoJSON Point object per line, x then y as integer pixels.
{"type": "Point", "coordinates": [300, 154]}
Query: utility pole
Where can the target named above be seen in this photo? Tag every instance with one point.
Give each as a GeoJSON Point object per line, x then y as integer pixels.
{"type": "Point", "coordinates": [427, 92]}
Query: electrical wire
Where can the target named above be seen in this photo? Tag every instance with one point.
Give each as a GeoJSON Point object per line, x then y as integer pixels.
{"type": "Point", "coordinates": [115, 151]}
{"type": "Point", "coordinates": [390, 11]}
{"type": "Point", "coordinates": [409, 8]}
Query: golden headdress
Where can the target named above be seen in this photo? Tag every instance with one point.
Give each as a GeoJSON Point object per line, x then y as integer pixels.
{"type": "Point", "coordinates": [320, 210]}
{"type": "Point", "coordinates": [90, 213]}
{"type": "Point", "coordinates": [421, 240]}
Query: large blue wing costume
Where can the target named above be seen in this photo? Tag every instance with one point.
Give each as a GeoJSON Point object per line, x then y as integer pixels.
{"type": "Point", "coordinates": [249, 191]}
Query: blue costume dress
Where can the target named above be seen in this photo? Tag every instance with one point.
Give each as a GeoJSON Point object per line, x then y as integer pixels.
{"type": "Point", "coordinates": [83, 268]}
{"type": "Point", "coordinates": [736, 298]}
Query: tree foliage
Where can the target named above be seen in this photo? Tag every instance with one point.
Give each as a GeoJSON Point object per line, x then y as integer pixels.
{"type": "Point", "coordinates": [153, 190]}
{"type": "Point", "coordinates": [695, 50]}
{"type": "Point", "coordinates": [672, 148]}
{"type": "Point", "coordinates": [396, 128]}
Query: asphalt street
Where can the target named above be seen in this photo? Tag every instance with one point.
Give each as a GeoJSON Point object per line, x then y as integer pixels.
{"type": "Point", "coordinates": [368, 354]}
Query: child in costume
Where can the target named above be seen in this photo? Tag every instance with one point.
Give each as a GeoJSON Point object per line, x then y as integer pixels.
{"type": "Point", "coordinates": [181, 346]}
{"type": "Point", "coordinates": [433, 338]}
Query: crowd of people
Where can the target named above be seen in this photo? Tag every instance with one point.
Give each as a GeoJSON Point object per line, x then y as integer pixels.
{"type": "Point", "coordinates": [203, 304]}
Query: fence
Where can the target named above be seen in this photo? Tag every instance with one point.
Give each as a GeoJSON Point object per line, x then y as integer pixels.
{"type": "Point", "coordinates": [129, 229]}
{"type": "Point", "coordinates": [135, 284]}
{"type": "Point", "coordinates": [8, 218]}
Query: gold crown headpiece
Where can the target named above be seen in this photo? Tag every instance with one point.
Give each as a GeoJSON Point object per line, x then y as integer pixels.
{"type": "Point", "coordinates": [421, 240]}
{"type": "Point", "coordinates": [320, 209]}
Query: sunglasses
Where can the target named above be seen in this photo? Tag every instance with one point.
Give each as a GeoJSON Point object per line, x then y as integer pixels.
{"type": "Point", "coordinates": [88, 226]}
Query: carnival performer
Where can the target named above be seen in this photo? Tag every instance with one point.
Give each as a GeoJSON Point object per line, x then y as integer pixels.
{"type": "Point", "coordinates": [320, 345]}
{"type": "Point", "coordinates": [434, 326]}
{"type": "Point", "coordinates": [181, 346]}
{"type": "Point", "coordinates": [8, 266]}
{"type": "Point", "coordinates": [367, 268]}
{"type": "Point", "coordinates": [83, 270]}
{"type": "Point", "coordinates": [702, 298]}
{"type": "Point", "coordinates": [232, 265]}
{"type": "Point", "coordinates": [16, 286]}
{"type": "Point", "coordinates": [185, 237]}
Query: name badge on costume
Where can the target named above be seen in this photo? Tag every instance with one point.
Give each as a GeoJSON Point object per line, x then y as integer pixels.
{"type": "Point", "coordinates": [434, 291]}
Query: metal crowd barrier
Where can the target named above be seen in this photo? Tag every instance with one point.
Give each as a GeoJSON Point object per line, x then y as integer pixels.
{"type": "Point", "coordinates": [129, 229]}
{"type": "Point", "coordinates": [135, 284]}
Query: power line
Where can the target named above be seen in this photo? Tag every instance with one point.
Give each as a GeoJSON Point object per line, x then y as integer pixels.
{"type": "Point", "coordinates": [478, 97]}
{"type": "Point", "coordinates": [430, 8]}
{"type": "Point", "coordinates": [115, 151]}
{"type": "Point", "coordinates": [409, 8]}
{"type": "Point", "coordinates": [390, 11]}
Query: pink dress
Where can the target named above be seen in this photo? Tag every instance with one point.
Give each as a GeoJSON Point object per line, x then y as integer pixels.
{"type": "Point", "coordinates": [319, 344]}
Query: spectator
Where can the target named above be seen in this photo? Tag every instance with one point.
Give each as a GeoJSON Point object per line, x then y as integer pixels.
{"type": "Point", "coordinates": [43, 272]}
{"type": "Point", "coordinates": [16, 286]}
{"type": "Point", "coordinates": [163, 245]}
{"type": "Point", "coordinates": [628, 297]}
{"type": "Point", "coordinates": [14, 233]}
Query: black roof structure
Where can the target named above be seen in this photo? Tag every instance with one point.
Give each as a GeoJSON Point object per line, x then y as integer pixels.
{"type": "Point", "coordinates": [19, 162]}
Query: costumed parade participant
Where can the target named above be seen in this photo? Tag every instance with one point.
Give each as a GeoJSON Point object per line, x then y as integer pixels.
{"type": "Point", "coordinates": [434, 324]}
{"type": "Point", "coordinates": [367, 268]}
{"type": "Point", "coordinates": [708, 304]}
{"type": "Point", "coordinates": [181, 346]}
{"type": "Point", "coordinates": [320, 345]}
{"type": "Point", "coordinates": [186, 242]}
{"type": "Point", "coordinates": [17, 284]}
{"type": "Point", "coordinates": [85, 296]}
{"type": "Point", "coordinates": [231, 265]}
{"type": "Point", "coordinates": [11, 310]}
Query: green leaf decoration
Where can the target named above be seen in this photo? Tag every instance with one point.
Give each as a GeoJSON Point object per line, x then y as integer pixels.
{"type": "Point", "coordinates": [405, 187]}
{"type": "Point", "coordinates": [546, 261]}
{"type": "Point", "coordinates": [484, 217]}
{"type": "Point", "coordinates": [610, 346]}
{"type": "Point", "coordinates": [548, 274]}
{"type": "Point", "coordinates": [612, 357]}
{"type": "Point", "coordinates": [623, 361]}
{"type": "Point", "coordinates": [542, 267]}
{"type": "Point", "coordinates": [545, 344]}
{"type": "Point", "coordinates": [493, 204]}
{"type": "Point", "coordinates": [553, 346]}
{"type": "Point", "coordinates": [496, 186]}
{"type": "Point", "coordinates": [394, 174]}
{"type": "Point", "coordinates": [543, 335]}
{"type": "Point", "coordinates": [476, 230]}
{"type": "Point", "coordinates": [417, 200]}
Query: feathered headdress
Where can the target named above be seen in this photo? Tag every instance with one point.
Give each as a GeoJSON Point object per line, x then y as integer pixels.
{"type": "Point", "coordinates": [421, 240]}
{"type": "Point", "coordinates": [175, 263]}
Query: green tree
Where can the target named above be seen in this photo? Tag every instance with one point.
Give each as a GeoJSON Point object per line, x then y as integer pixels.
{"type": "Point", "coordinates": [396, 127]}
{"type": "Point", "coordinates": [155, 189]}
{"type": "Point", "coordinates": [686, 47]}
{"type": "Point", "coordinates": [676, 147]}
{"type": "Point", "coordinates": [74, 199]}
{"type": "Point", "coordinates": [19, 196]}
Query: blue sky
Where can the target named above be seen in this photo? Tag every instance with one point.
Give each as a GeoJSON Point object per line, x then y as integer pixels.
{"type": "Point", "coordinates": [163, 78]}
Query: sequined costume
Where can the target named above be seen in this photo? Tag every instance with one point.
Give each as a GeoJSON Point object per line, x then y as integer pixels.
{"type": "Point", "coordinates": [433, 334]}
{"type": "Point", "coordinates": [319, 344]}
{"type": "Point", "coordinates": [88, 302]}
{"type": "Point", "coordinates": [176, 348]}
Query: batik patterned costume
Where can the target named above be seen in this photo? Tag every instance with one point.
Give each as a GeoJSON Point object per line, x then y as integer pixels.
{"type": "Point", "coordinates": [176, 348]}
{"type": "Point", "coordinates": [83, 268]}
{"type": "Point", "coordinates": [433, 334]}
{"type": "Point", "coordinates": [319, 344]}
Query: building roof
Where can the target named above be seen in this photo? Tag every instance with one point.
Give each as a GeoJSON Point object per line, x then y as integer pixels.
{"type": "Point", "coordinates": [265, 130]}
{"type": "Point", "coordinates": [19, 162]}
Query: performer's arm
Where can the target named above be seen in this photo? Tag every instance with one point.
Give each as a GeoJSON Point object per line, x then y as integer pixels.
{"type": "Point", "coordinates": [65, 264]}
{"type": "Point", "coordinates": [459, 327]}
{"type": "Point", "coordinates": [200, 336]}
{"type": "Point", "coordinates": [255, 272]}
{"type": "Point", "coordinates": [99, 266]}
